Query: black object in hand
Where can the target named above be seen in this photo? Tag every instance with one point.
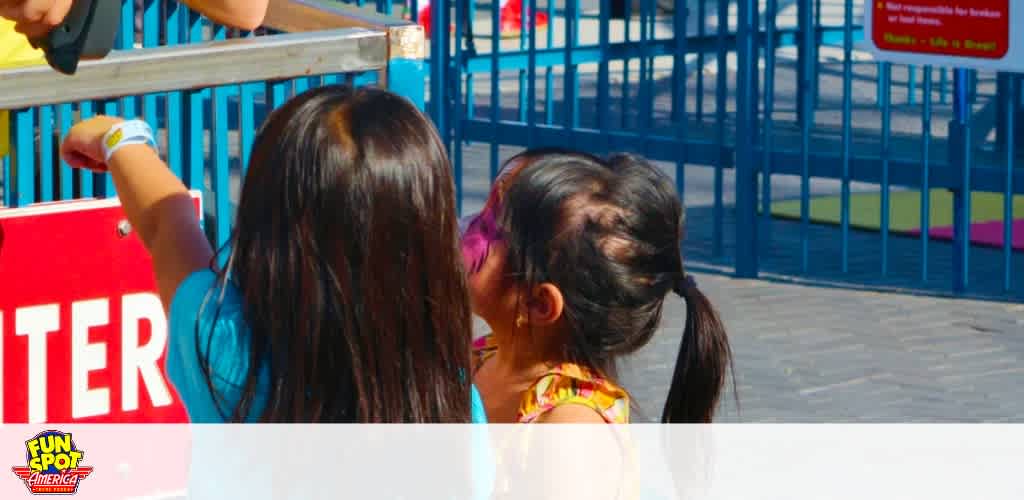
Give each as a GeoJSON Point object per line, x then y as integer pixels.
{"type": "Point", "coordinates": [88, 32]}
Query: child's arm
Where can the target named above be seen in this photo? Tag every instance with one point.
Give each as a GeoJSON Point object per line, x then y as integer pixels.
{"type": "Point", "coordinates": [244, 14]}
{"type": "Point", "coordinates": [157, 204]}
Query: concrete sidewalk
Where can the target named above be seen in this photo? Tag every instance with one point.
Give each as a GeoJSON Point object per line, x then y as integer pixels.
{"type": "Point", "coordinates": [815, 354]}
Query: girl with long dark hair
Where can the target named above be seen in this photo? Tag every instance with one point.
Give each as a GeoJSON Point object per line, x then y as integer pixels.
{"type": "Point", "coordinates": [570, 263]}
{"type": "Point", "coordinates": [343, 297]}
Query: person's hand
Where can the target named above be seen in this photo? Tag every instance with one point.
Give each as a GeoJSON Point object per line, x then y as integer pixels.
{"type": "Point", "coordinates": [83, 146]}
{"type": "Point", "coordinates": [35, 18]}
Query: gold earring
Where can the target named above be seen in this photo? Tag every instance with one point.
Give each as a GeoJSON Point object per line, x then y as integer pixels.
{"type": "Point", "coordinates": [521, 321]}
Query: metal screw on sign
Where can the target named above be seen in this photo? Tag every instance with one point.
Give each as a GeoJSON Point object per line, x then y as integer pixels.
{"type": "Point", "coordinates": [124, 228]}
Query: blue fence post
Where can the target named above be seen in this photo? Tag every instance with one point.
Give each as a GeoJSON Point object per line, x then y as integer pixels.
{"type": "Point", "coordinates": [411, 82]}
{"type": "Point", "coordinates": [806, 58]}
{"type": "Point", "coordinates": [23, 152]}
{"type": "Point", "coordinates": [746, 162]}
{"type": "Point", "coordinates": [439, 66]}
{"type": "Point", "coordinates": [1002, 112]}
{"type": "Point", "coordinates": [959, 162]}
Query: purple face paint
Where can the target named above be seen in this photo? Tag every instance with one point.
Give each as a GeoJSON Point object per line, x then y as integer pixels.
{"type": "Point", "coordinates": [478, 238]}
{"type": "Point", "coordinates": [481, 230]}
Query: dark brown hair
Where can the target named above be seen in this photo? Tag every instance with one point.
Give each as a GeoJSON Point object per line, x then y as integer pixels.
{"type": "Point", "coordinates": [345, 251]}
{"type": "Point", "coordinates": [608, 234]}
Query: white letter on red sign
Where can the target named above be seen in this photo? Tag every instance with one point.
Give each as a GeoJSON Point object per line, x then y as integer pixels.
{"type": "Point", "coordinates": [36, 322]}
{"type": "Point", "coordinates": [142, 359]}
{"type": "Point", "coordinates": [86, 357]}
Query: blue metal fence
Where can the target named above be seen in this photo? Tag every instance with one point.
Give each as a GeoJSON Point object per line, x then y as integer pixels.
{"type": "Point", "coordinates": [749, 103]}
{"type": "Point", "coordinates": [207, 132]}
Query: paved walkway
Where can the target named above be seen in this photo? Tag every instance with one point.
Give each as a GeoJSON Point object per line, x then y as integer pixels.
{"type": "Point", "coordinates": [815, 354]}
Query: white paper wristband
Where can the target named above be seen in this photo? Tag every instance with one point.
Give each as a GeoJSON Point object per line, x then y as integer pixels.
{"type": "Point", "coordinates": [126, 133]}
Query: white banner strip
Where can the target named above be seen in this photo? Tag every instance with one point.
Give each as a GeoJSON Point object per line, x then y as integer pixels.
{"type": "Point", "coordinates": [646, 462]}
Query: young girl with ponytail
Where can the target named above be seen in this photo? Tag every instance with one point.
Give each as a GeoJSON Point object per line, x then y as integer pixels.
{"type": "Point", "coordinates": [570, 263]}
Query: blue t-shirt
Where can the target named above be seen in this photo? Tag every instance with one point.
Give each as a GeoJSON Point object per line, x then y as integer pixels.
{"type": "Point", "coordinates": [227, 351]}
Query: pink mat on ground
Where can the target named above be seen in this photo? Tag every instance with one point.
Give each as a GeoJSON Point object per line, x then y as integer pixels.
{"type": "Point", "coordinates": [989, 234]}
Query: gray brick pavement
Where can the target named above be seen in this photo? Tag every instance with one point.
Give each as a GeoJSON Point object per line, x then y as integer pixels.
{"type": "Point", "coordinates": [856, 365]}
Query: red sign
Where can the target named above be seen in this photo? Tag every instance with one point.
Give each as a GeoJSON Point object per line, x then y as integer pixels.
{"type": "Point", "coordinates": [82, 330]}
{"type": "Point", "coordinates": [968, 28]}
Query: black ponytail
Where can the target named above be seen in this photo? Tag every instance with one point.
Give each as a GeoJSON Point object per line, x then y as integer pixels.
{"type": "Point", "coordinates": [608, 234]}
{"type": "Point", "coordinates": [703, 359]}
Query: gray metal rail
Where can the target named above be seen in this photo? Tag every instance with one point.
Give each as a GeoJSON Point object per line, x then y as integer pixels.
{"type": "Point", "coordinates": [199, 65]}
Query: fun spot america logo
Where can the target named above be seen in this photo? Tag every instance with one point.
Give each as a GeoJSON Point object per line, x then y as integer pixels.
{"type": "Point", "coordinates": [54, 464]}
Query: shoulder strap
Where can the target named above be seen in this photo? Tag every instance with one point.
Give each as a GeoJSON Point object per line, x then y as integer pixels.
{"type": "Point", "coordinates": [571, 384]}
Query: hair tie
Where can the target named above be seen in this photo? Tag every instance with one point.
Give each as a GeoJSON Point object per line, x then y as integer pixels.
{"type": "Point", "coordinates": [685, 283]}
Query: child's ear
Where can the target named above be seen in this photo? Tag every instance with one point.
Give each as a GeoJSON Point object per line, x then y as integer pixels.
{"type": "Point", "coordinates": [546, 304]}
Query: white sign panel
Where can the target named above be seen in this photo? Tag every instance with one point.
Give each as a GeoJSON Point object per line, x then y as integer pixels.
{"type": "Point", "coordinates": [978, 34]}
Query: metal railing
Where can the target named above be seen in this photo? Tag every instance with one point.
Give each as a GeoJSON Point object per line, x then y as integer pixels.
{"type": "Point", "coordinates": [200, 65]}
{"type": "Point", "coordinates": [205, 98]}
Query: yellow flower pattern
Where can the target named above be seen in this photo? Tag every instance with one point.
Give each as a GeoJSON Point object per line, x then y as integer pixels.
{"type": "Point", "coordinates": [565, 383]}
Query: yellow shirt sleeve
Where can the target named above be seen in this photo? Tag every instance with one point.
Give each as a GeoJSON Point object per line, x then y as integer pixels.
{"type": "Point", "coordinates": [15, 52]}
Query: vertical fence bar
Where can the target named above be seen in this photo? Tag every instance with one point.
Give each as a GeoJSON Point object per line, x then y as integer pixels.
{"type": "Point", "coordinates": [721, 96]}
{"type": "Point", "coordinates": [247, 93]}
{"type": "Point", "coordinates": [805, 114]}
{"type": "Point", "coordinates": [195, 130]}
{"type": "Point", "coordinates": [457, 118]}
{"type": "Point", "coordinates": [495, 86]}
{"type": "Point", "coordinates": [105, 182]}
{"type": "Point", "coordinates": [85, 184]}
{"type": "Point", "coordinates": [575, 68]}
{"type": "Point", "coordinates": [1001, 111]}
{"type": "Point", "coordinates": [878, 85]}
{"type": "Point", "coordinates": [151, 38]}
{"type": "Point", "coordinates": [523, 44]}
{"type": "Point", "coordinates": [549, 75]}
{"type": "Point", "coordinates": [626, 63]}
{"type": "Point", "coordinates": [603, 75]}
{"type": "Point", "coordinates": [645, 90]}
{"type": "Point", "coordinates": [471, 48]}
{"type": "Point", "coordinates": [277, 94]}
{"type": "Point", "coordinates": [805, 42]}
{"type": "Point", "coordinates": [174, 106]}
{"type": "Point", "coordinates": [569, 95]}
{"type": "Point", "coordinates": [194, 140]}
{"type": "Point", "coordinates": [24, 155]}
{"type": "Point", "coordinates": [885, 156]}
{"type": "Point", "coordinates": [960, 161]}
{"type": "Point", "coordinates": [813, 53]}
{"type": "Point", "coordinates": [7, 177]}
{"type": "Point", "coordinates": [46, 163]}
{"type": "Point", "coordinates": [220, 172]}
{"type": "Point", "coordinates": [844, 197]}
{"type": "Point", "coordinates": [64, 118]}
{"type": "Point", "coordinates": [701, 33]}
{"type": "Point", "coordinates": [1011, 110]}
{"type": "Point", "coordinates": [531, 88]}
{"type": "Point", "coordinates": [439, 66]}
{"type": "Point", "coordinates": [746, 163]}
{"type": "Point", "coordinates": [943, 85]}
{"type": "Point", "coordinates": [126, 41]}
{"type": "Point", "coordinates": [680, 74]}
{"type": "Point", "coordinates": [911, 85]}
{"type": "Point", "coordinates": [926, 156]}
{"type": "Point", "coordinates": [220, 150]}
{"type": "Point", "coordinates": [768, 127]}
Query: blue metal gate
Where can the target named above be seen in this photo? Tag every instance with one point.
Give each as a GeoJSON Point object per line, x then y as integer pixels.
{"type": "Point", "coordinates": [752, 106]}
